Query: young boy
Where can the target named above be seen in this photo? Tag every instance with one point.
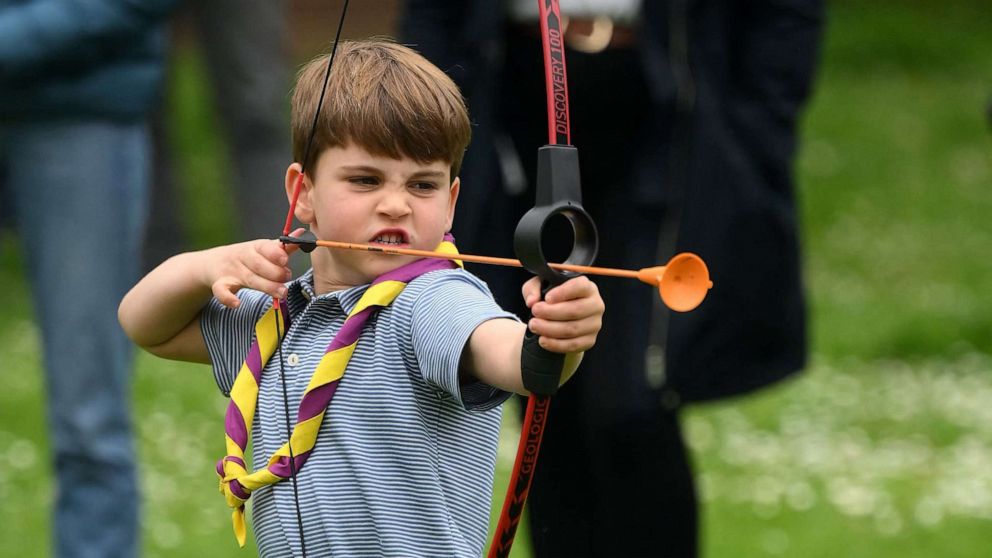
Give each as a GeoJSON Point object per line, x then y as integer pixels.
{"type": "Point", "coordinates": [403, 460]}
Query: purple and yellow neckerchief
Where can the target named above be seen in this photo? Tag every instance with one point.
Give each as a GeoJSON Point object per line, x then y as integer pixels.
{"type": "Point", "coordinates": [236, 483]}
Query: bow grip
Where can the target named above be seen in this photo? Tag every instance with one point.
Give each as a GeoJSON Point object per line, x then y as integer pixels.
{"type": "Point", "coordinates": [540, 368]}
{"type": "Point", "coordinates": [558, 193]}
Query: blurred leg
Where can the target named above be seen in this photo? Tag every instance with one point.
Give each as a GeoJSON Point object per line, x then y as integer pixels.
{"type": "Point", "coordinates": [80, 190]}
{"type": "Point", "coordinates": [244, 44]}
{"type": "Point", "coordinates": [614, 478]}
{"type": "Point", "coordinates": [164, 233]}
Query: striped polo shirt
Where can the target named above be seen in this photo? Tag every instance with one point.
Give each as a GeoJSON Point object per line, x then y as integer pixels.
{"type": "Point", "coordinates": [405, 456]}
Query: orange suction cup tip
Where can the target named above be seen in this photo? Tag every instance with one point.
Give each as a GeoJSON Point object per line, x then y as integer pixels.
{"type": "Point", "coordinates": [682, 283]}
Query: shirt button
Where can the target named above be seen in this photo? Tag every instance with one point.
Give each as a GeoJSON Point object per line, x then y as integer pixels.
{"type": "Point", "coordinates": [293, 359]}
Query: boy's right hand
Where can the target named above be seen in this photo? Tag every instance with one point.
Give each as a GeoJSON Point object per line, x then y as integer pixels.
{"type": "Point", "coordinates": [160, 312]}
{"type": "Point", "coordinates": [262, 265]}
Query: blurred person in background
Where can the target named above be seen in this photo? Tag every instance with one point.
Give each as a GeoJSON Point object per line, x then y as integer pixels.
{"type": "Point", "coordinates": [77, 81]}
{"type": "Point", "coordinates": [685, 115]}
{"type": "Point", "coordinates": [244, 46]}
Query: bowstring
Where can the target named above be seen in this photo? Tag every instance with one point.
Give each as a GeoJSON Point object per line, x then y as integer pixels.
{"type": "Point", "coordinates": [289, 219]}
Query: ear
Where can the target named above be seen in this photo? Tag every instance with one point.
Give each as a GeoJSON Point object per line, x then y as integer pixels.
{"type": "Point", "coordinates": [304, 207]}
{"type": "Point", "coordinates": [452, 201]}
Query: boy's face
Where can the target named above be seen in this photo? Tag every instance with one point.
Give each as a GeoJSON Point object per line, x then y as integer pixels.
{"type": "Point", "coordinates": [354, 196]}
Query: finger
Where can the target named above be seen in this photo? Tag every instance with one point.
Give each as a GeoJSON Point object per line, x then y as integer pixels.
{"type": "Point", "coordinates": [291, 248]}
{"type": "Point", "coordinates": [532, 291]}
{"type": "Point", "coordinates": [224, 290]}
{"type": "Point", "coordinates": [255, 281]}
{"type": "Point", "coordinates": [271, 250]}
{"type": "Point", "coordinates": [570, 310]}
{"type": "Point", "coordinates": [567, 345]}
{"type": "Point", "coordinates": [270, 262]}
{"type": "Point", "coordinates": [576, 287]}
{"type": "Point", "coordinates": [565, 330]}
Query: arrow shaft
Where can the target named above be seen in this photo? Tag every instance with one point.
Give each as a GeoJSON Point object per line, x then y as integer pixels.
{"type": "Point", "coordinates": [491, 260]}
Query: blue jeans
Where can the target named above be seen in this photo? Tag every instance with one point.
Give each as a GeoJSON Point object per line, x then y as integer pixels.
{"type": "Point", "coordinates": [78, 193]}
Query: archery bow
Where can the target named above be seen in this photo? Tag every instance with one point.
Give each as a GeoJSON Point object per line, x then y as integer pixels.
{"type": "Point", "coordinates": [558, 193]}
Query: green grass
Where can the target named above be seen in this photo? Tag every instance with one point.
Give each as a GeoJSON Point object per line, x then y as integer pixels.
{"type": "Point", "coordinates": [858, 458]}
{"type": "Point", "coordinates": [883, 448]}
{"type": "Point", "coordinates": [895, 172]}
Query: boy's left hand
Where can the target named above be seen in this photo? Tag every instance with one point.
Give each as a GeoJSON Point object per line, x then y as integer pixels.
{"type": "Point", "coordinates": [570, 316]}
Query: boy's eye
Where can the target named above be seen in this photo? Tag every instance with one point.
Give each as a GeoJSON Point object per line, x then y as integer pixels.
{"type": "Point", "coordinates": [424, 186]}
{"type": "Point", "coordinates": [364, 180]}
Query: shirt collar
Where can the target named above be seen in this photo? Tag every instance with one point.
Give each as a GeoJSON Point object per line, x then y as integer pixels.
{"type": "Point", "coordinates": [301, 293]}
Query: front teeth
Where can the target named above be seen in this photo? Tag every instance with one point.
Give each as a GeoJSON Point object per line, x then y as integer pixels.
{"type": "Point", "coordinates": [389, 239]}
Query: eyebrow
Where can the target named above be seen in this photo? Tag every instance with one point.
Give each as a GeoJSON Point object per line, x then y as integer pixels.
{"type": "Point", "coordinates": [360, 168]}
{"type": "Point", "coordinates": [428, 174]}
{"type": "Point", "coordinates": [375, 170]}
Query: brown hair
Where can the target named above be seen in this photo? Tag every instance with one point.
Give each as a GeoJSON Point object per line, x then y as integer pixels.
{"type": "Point", "coordinates": [384, 97]}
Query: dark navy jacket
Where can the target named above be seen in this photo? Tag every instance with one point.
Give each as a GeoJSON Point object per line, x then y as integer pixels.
{"type": "Point", "coordinates": [727, 80]}
{"type": "Point", "coordinates": [80, 58]}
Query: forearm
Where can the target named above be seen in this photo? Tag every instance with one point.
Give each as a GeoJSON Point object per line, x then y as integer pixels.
{"type": "Point", "coordinates": [492, 356]}
{"type": "Point", "coordinates": [166, 300]}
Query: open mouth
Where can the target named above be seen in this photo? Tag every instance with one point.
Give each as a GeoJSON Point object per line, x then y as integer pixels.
{"type": "Point", "coordinates": [391, 238]}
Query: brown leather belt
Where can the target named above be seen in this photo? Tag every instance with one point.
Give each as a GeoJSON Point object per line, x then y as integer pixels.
{"type": "Point", "coordinates": [590, 35]}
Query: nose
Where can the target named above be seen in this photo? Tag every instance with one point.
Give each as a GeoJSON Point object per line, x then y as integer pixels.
{"type": "Point", "coordinates": [394, 203]}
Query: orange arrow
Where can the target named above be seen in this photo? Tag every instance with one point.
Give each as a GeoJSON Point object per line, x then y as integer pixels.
{"type": "Point", "coordinates": [682, 283]}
